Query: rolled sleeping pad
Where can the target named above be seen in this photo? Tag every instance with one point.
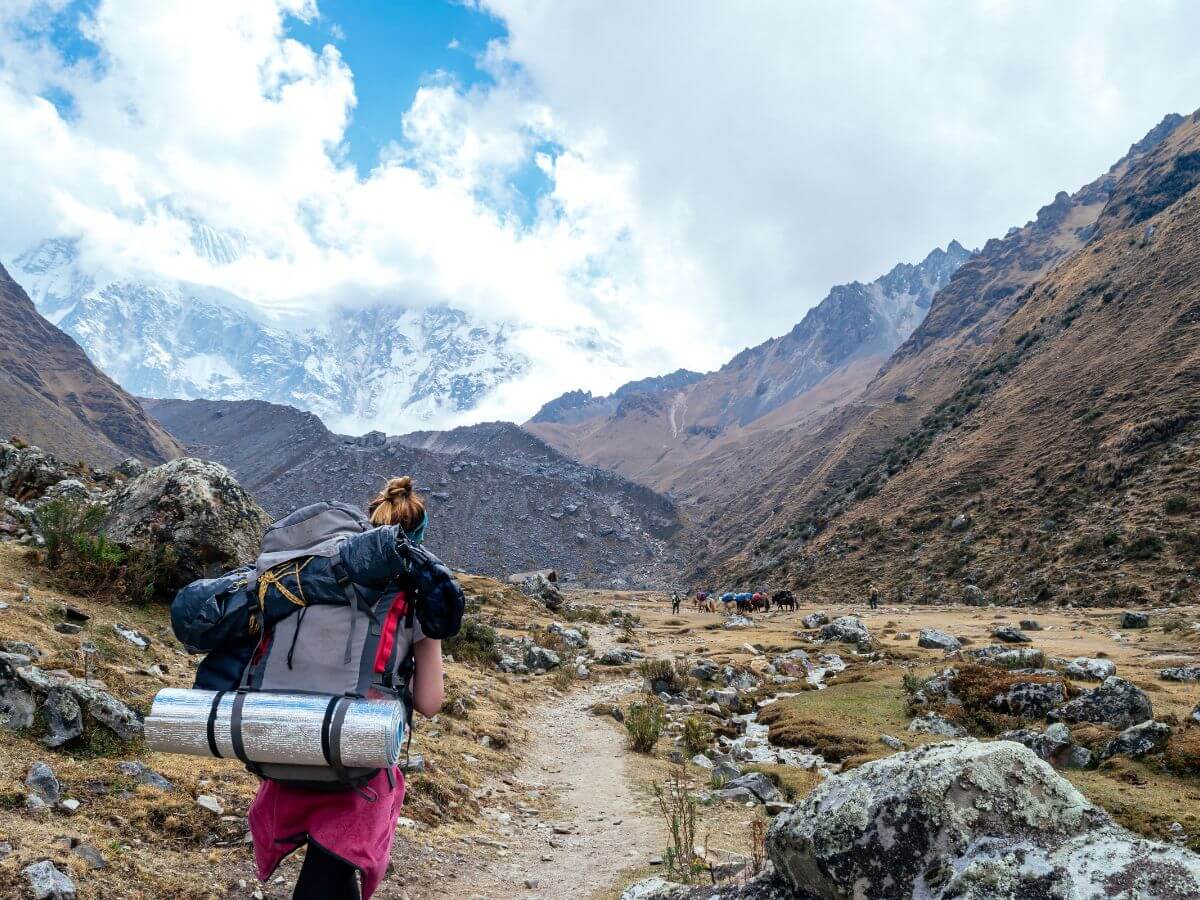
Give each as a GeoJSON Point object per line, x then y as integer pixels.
{"type": "Point", "coordinates": [277, 728]}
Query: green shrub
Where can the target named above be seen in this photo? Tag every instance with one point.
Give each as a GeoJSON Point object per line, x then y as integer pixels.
{"type": "Point", "coordinates": [93, 562]}
{"type": "Point", "coordinates": [62, 523]}
{"type": "Point", "coordinates": [645, 722]}
{"type": "Point", "coordinates": [149, 573]}
{"type": "Point", "coordinates": [696, 735]}
{"type": "Point", "coordinates": [1144, 545]}
{"type": "Point", "coordinates": [475, 642]}
{"type": "Point", "coordinates": [665, 670]}
{"type": "Point", "coordinates": [678, 809]}
{"type": "Point", "coordinates": [1175, 505]}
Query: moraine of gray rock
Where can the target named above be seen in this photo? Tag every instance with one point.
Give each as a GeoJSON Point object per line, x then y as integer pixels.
{"type": "Point", "coordinates": [933, 723]}
{"type": "Point", "coordinates": [62, 715]}
{"type": "Point", "coordinates": [542, 658]}
{"type": "Point", "coordinates": [540, 587]}
{"type": "Point", "coordinates": [46, 882]}
{"type": "Point", "coordinates": [969, 821]}
{"type": "Point", "coordinates": [933, 639]}
{"type": "Point", "coordinates": [847, 630]}
{"type": "Point", "coordinates": [1011, 635]}
{"type": "Point", "coordinates": [1180, 673]}
{"type": "Point", "coordinates": [1135, 620]}
{"type": "Point", "coordinates": [1085, 668]}
{"type": "Point", "coordinates": [27, 472]}
{"type": "Point", "coordinates": [1030, 699]}
{"type": "Point", "coordinates": [1138, 740]}
{"type": "Point", "coordinates": [1115, 702]}
{"type": "Point", "coordinates": [815, 620]}
{"type": "Point", "coordinates": [194, 509]}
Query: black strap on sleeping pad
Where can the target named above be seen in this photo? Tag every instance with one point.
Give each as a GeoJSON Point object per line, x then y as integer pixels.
{"type": "Point", "coordinates": [212, 724]}
{"type": "Point", "coordinates": [235, 734]}
{"type": "Point", "coordinates": [326, 721]}
{"type": "Point", "coordinates": [335, 739]}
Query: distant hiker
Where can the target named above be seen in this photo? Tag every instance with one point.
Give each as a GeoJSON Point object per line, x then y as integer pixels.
{"type": "Point", "coordinates": [676, 599]}
{"type": "Point", "coordinates": [874, 601]}
{"type": "Point", "coordinates": [349, 830]}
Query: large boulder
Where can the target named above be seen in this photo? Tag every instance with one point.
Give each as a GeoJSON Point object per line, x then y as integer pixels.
{"type": "Point", "coordinates": [1138, 740]}
{"type": "Point", "coordinates": [1115, 702]}
{"type": "Point", "coordinates": [815, 620]}
{"type": "Point", "coordinates": [1086, 668]}
{"type": "Point", "coordinates": [1030, 699]}
{"type": "Point", "coordinates": [195, 511]}
{"type": "Point", "coordinates": [1135, 620]}
{"type": "Point", "coordinates": [848, 630]}
{"type": "Point", "coordinates": [540, 586]}
{"type": "Point", "coordinates": [934, 639]}
{"type": "Point", "coordinates": [967, 820]}
{"type": "Point", "coordinates": [1180, 673]}
{"type": "Point", "coordinates": [28, 472]}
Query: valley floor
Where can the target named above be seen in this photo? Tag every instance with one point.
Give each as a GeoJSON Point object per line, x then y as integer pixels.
{"type": "Point", "coordinates": [526, 792]}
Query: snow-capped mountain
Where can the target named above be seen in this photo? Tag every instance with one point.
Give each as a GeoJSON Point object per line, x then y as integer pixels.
{"type": "Point", "coordinates": [378, 367]}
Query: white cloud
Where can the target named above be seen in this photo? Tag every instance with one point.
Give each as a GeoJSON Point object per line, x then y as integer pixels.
{"type": "Point", "coordinates": [712, 169]}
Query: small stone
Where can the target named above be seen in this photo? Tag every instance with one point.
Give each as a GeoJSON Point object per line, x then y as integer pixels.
{"type": "Point", "coordinates": [1030, 625]}
{"type": "Point", "coordinates": [89, 854]}
{"type": "Point", "coordinates": [74, 614]}
{"type": "Point", "coordinates": [70, 805]}
{"type": "Point", "coordinates": [46, 882]}
{"type": "Point", "coordinates": [531, 883]}
{"type": "Point", "coordinates": [67, 628]}
{"type": "Point", "coordinates": [43, 783]}
{"type": "Point", "coordinates": [210, 803]}
{"type": "Point", "coordinates": [131, 635]}
{"type": "Point", "coordinates": [143, 774]}
{"type": "Point", "coordinates": [1135, 620]}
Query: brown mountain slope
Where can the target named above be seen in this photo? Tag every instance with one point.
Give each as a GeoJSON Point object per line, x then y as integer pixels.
{"type": "Point", "coordinates": [1066, 464]}
{"type": "Point", "coordinates": [795, 480]}
{"type": "Point", "coordinates": [51, 394]}
{"type": "Point", "coordinates": [654, 431]}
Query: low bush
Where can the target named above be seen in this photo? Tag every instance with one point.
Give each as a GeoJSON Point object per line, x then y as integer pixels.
{"type": "Point", "coordinates": [671, 672]}
{"type": "Point", "coordinates": [696, 735]}
{"type": "Point", "coordinates": [1175, 505]}
{"type": "Point", "coordinates": [645, 722]}
{"type": "Point", "coordinates": [475, 642]}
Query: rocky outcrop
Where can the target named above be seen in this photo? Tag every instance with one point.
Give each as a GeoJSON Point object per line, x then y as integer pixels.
{"type": "Point", "coordinates": [934, 639]}
{"type": "Point", "coordinates": [1115, 702]}
{"type": "Point", "coordinates": [969, 821]}
{"type": "Point", "coordinates": [847, 630]}
{"type": "Point", "coordinates": [196, 510]}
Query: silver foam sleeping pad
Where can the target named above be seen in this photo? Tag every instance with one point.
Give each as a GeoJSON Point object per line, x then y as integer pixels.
{"type": "Point", "coordinates": [276, 728]}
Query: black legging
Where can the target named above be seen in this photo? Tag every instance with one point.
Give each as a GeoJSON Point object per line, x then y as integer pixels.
{"type": "Point", "coordinates": [325, 877]}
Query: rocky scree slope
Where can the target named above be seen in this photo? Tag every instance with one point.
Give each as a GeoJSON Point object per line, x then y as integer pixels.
{"type": "Point", "coordinates": [812, 473]}
{"type": "Point", "coordinates": [672, 432]}
{"type": "Point", "coordinates": [1065, 462]}
{"type": "Point", "coordinates": [164, 338]}
{"type": "Point", "coordinates": [51, 394]}
{"type": "Point", "coordinates": [501, 500]}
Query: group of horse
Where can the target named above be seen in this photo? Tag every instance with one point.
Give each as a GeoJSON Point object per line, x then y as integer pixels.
{"type": "Point", "coordinates": [732, 602]}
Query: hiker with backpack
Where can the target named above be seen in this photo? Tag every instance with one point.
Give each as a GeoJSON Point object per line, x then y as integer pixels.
{"type": "Point", "coordinates": [345, 611]}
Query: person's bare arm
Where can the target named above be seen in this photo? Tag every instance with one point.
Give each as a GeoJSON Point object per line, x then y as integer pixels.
{"type": "Point", "coordinates": [427, 682]}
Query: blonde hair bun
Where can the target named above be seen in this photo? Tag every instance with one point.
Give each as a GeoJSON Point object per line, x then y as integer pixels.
{"type": "Point", "coordinates": [397, 504]}
{"type": "Point", "coordinates": [398, 488]}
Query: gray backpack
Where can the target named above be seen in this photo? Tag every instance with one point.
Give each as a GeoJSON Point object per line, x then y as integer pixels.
{"type": "Point", "coordinates": [326, 634]}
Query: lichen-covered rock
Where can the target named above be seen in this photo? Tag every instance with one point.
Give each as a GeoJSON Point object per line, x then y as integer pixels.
{"type": "Point", "coordinates": [1180, 673]}
{"type": "Point", "coordinates": [964, 819]}
{"type": "Point", "coordinates": [974, 596]}
{"type": "Point", "coordinates": [1085, 668]}
{"type": "Point", "coordinates": [542, 658]}
{"type": "Point", "coordinates": [1008, 657]}
{"type": "Point", "coordinates": [1135, 620]}
{"type": "Point", "coordinates": [572, 637]}
{"type": "Point", "coordinates": [848, 630]}
{"type": "Point", "coordinates": [935, 639]}
{"type": "Point", "coordinates": [759, 785]}
{"type": "Point", "coordinates": [539, 586]}
{"type": "Point", "coordinates": [28, 472]}
{"type": "Point", "coordinates": [1138, 740]}
{"type": "Point", "coordinates": [1010, 635]}
{"type": "Point", "coordinates": [932, 723]}
{"type": "Point", "coordinates": [1054, 745]}
{"type": "Point", "coordinates": [194, 509]}
{"type": "Point", "coordinates": [1115, 702]}
{"type": "Point", "coordinates": [1029, 699]}
{"type": "Point", "coordinates": [815, 620]}
{"type": "Point", "coordinates": [46, 882]}
{"type": "Point", "coordinates": [62, 716]}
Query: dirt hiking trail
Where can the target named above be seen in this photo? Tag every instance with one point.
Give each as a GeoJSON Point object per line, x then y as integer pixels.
{"type": "Point", "coordinates": [594, 828]}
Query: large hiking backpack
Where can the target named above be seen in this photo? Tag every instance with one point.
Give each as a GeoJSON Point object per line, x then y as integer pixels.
{"type": "Point", "coordinates": [338, 602]}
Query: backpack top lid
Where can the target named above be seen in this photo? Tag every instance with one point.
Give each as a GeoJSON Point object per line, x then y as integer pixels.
{"type": "Point", "coordinates": [313, 530]}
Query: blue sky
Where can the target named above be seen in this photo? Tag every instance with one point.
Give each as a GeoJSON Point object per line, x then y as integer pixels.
{"type": "Point", "coordinates": [392, 47]}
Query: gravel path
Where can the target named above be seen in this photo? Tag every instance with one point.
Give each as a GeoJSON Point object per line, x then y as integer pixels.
{"type": "Point", "coordinates": [595, 828]}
